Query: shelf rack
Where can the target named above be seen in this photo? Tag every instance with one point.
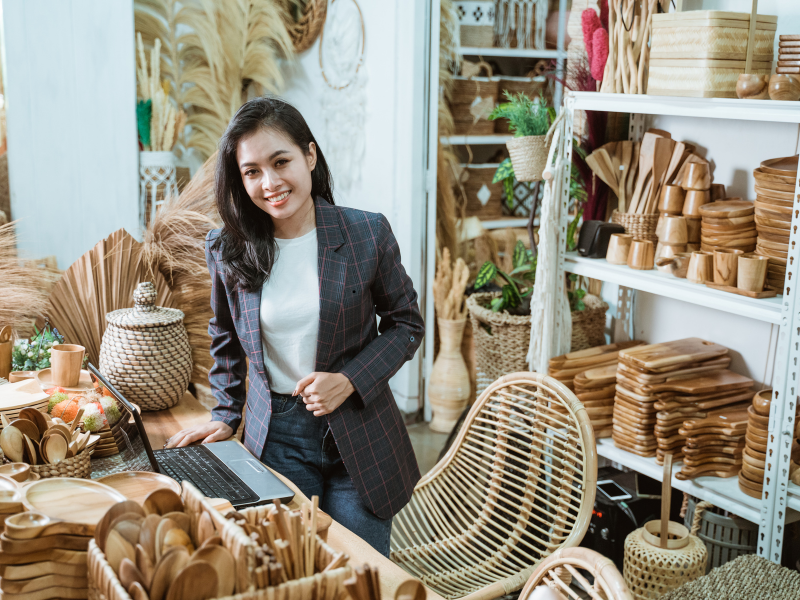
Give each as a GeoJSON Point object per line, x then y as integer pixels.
{"type": "Point", "coordinates": [780, 500]}
{"type": "Point", "coordinates": [511, 52]}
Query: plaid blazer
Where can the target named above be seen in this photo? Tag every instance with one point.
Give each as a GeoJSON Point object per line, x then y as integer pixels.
{"type": "Point", "coordinates": [360, 276]}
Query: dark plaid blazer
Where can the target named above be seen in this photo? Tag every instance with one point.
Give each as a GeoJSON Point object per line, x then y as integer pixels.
{"type": "Point", "coordinates": [360, 275]}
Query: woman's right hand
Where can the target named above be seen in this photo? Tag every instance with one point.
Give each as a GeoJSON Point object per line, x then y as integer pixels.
{"type": "Point", "coordinates": [213, 431]}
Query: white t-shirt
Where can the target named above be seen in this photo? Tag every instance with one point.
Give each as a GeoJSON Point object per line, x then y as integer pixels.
{"type": "Point", "coordinates": [289, 313]}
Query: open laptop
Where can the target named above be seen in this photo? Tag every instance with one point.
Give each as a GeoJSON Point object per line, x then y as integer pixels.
{"type": "Point", "coordinates": [219, 469]}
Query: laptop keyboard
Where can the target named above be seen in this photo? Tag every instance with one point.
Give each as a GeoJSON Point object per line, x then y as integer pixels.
{"type": "Point", "coordinates": [206, 472]}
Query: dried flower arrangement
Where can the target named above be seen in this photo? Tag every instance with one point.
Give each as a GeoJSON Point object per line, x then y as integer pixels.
{"type": "Point", "coordinates": [448, 288]}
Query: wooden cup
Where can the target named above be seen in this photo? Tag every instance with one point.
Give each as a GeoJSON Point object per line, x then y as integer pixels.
{"type": "Point", "coordinates": [717, 192]}
{"type": "Point", "coordinates": [752, 86]}
{"type": "Point", "coordinates": [677, 266]}
{"type": "Point", "coordinates": [726, 265]}
{"type": "Point", "coordinates": [674, 231]}
{"type": "Point", "coordinates": [697, 177]}
{"type": "Point", "coordinates": [672, 198]}
{"type": "Point", "coordinates": [694, 200]}
{"type": "Point", "coordinates": [618, 248]}
{"type": "Point", "coordinates": [701, 266]}
{"type": "Point", "coordinates": [752, 272]}
{"type": "Point", "coordinates": [65, 362]}
{"type": "Point", "coordinates": [693, 229]}
{"type": "Point", "coordinates": [641, 255]}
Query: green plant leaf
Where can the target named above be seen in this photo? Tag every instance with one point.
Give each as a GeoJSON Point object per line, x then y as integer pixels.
{"type": "Point", "coordinates": [504, 171]}
{"type": "Point", "coordinates": [520, 254]}
{"type": "Point", "coordinates": [580, 305]}
{"type": "Point", "coordinates": [511, 297]}
{"type": "Point", "coordinates": [579, 294]}
{"type": "Point", "coordinates": [508, 188]}
{"type": "Point", "coordinates": [486, 274]}
{"type": "Point", "coordinates": [498, 304]}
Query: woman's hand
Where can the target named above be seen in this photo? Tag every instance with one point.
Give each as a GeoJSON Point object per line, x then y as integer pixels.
{"type": "Point", "coordinates": [213, 431]}
{"type": "Point", "coordinates": [323, 393]}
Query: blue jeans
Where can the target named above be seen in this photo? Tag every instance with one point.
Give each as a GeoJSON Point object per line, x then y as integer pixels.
{"type": "Point", "coordinates": [300, 447]}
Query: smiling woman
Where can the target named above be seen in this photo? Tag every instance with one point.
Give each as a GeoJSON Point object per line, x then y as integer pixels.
{"type": "Point", "coordinates": [297, 286]}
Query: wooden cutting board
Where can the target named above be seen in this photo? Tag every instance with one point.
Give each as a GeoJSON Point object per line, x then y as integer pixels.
{"type": "Point", "coordinates": [710, 470]}
{"type": "Point", "coordinates": [21, 394]}
{"type": "Point", "coordinates": [690, 371]}
{"type": "Point", "coordinates": [705, 383]}
{"type": "Point", "coordinates": [590, 357]}
{"type": "Point", "coordinates": [672, 354]}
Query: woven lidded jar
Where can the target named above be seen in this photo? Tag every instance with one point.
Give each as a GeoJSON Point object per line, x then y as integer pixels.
{"type": "Point", "coordinates": [145, 352]}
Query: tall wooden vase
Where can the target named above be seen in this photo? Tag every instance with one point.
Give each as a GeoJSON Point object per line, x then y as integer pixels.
{"type": "Point", "coordinates": [449, 385]}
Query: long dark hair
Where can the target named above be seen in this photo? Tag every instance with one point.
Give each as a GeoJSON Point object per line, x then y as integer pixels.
{"type": "Point", "coordinates": [247, 240]}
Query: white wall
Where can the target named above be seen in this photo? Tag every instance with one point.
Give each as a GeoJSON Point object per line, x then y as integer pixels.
{"type": "Point", "coordinates": [735, 148]}
{"type": "Point", "coordinates": [392, 182]}
{"type": "Point", "coordinates": [72, 142]}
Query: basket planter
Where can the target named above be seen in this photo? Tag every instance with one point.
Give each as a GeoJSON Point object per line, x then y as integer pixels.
{"type": "Point", "coordinates": [105, 585]}
{"type": "Point", "coordinates": [502, 340]}
{"type": "Point", "coordinates": [79, 466]}
{"type": "Point", "coordinates": [449, 387]}
{"type": "Point", "coordinates": [641, 227]}
{"type": "Point", "coordinates": [468, 92]}
{"type": "Point", "coordinates": [484, 198]}
{"type": "Point", "coordinates": [529, 156]}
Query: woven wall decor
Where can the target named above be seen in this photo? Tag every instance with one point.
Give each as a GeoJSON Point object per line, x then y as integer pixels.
{"type": "Point", "coordinates": [308, 27]}
{"type": "Point", "coordinates": [145, 352]}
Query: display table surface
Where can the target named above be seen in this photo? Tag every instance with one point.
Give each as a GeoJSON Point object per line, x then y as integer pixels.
{"type": "Point", "coordinates": [163, 424]}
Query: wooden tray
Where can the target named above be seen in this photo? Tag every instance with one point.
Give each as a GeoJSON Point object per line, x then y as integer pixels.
{"type": "Point", "coordinates": [672, 354]}
{"type": "Point", "coordinates": [706, 383]}
{"type": "Point", "coordinates": [767, 293]}
{"type": "Point", "coordinates": [45, 380]}
{"type": "Point", "coordinates": [75, 500]}
{"type": "Point", "coordinates": [786, 166]}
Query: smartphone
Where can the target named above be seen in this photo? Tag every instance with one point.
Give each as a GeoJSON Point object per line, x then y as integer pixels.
{"type": "Point", "coordinates": [612, 490]}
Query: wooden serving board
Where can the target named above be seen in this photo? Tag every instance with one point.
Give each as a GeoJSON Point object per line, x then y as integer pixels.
{"type": "Point", "coordinates": [15, 396]}
{"type": "Point", "coordinates": [591, 357]}
{"type": "Point", "coordinates": [711, 470]}
{"type": "Point", "coordinates": [767, 293]}
{"type": "Point", "coordinates": [706, 383]}
{"type": "Point", "coordinates": [690, 371]}
{"type": "Point", "coordinates": [672, 354]}
{"type": "Point", "coordinates": [9, 586]}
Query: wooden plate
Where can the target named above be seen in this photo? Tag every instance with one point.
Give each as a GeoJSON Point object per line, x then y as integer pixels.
{"type": "Point", "coordinates": [705, 226]}
{"type": "Point", "coordinates": [775, 193]}
{"type": "Point", "coordinates": [136, 485]}
{"type": "Point", "coordinates": [774, 201]}
{"type": "Point", "coordinates": [769, 180]}
{"type": "Point", "coordinates": [45, 380]}
{"type": "Point", "coordinates": [728, 242]}
{"type": "Point", "coordinates": [773, 223]}
{"type": "Point", "coordinates": [772, 253]}
{"type": "Point", "coordinates": [783, 232]}
{"type": "Point", "coordinates": [15, 396]}
{"type": "Point", "coordinates": [786, 166]}
{"type": "Point", "coordinates": [773, 208]}
{"type": "Point", "coordinates": [729, 236]}
{"type": "Point", "coordinates": [775, 238]}
{"type": "Point", "coordinates": [727, 209]}
{"type": "Point", "coordinates": [75, 500]}
{"type": "Point", "coordinates": [780, 246]}
{"type": "Point", "coordinates": [727, 221]}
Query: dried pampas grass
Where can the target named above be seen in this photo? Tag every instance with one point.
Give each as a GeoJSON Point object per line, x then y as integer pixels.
{"type": "Point", "coordinates": [174, 244]}
{"type": "Point", "coordinates": [23, 287]}
{"type": "Point", "coordinates": [100, 281]}
{"type": "Point", "coordinates": [449, 286]}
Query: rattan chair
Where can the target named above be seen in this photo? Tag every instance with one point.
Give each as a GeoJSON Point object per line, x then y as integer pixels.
{"type": "Point", "coordinates": [517, 485]}
{"type": "Point", "coordinates": [578, 566]}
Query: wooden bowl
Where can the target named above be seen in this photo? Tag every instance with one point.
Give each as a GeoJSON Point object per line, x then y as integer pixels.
{"type": "Point", "coordinates": [784, 87]}
{"type": "Point", "coordinates": [785, 166]}
{"type": "Point", "coordinates": [752, 86]}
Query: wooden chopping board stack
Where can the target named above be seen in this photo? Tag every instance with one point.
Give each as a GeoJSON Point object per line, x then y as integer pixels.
{"type": "Point", "coordinates": [714, 444]}
{"type": "Point", "coordinates": [592, 375]}
{"type": "Point", "coordinates": [641, 376]}
{"type": "Point", "coordinates": [728, 224]}
{"type": "Point", "coordinates": [754, 457]}
{"type": "Point", "coordinates": [788, 55]}
{"type": "Point", "coordinates": [775, 185]}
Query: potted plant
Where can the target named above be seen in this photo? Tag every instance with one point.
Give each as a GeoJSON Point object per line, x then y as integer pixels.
{"type": "Point", "coordinates": [529, 121]}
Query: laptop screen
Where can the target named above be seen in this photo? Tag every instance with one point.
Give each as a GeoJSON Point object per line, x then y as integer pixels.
{"type": "Point", "coordinates": [136, 417]}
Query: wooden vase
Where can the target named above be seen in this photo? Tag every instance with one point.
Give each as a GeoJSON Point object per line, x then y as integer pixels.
{"type": "Point", "coordinates": [449, 384]}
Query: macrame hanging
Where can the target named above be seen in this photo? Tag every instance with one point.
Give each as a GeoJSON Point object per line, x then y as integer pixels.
{"type": "Point", "coordinates": [344, 99]}
{"type": "Point", "coordinates": [526, 18]}
{"type": "Point", "coordinates": [552, 334]}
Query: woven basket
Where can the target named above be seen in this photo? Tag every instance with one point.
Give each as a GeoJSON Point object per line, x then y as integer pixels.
{"type": "Point", "coordinates": [641, 227]}
{"type": "Point", "coordinates": [464, 122]}
{"type": "Point", "coordinates": [484, 198]}
{"type": "Point", "coordinates": [589, 324]}
{"type": "Point", "coordinates": [651, 571]}
{"type": "Point", "coordinates": [114, 440]}
{"type": "Point", "coordinates": [145, 352]}
{"type": "Point", "coordinates": [529, 156]}
{"type": "Point", "coordinates": [307, 29]}
{"type": "Point", "coordinates": [79, 466]}
{"type": "Point", "coordinates": [724, 537]}
{"type": "Point", "coordinates": [530, 86]}
{"type": "Point", "coordinates": [502, 340]}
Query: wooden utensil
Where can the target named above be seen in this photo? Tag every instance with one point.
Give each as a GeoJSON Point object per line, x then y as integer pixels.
{"type": "Point", "coordinates": [221, 560]}
{"type": "Point", "coordinates": [411, 589]}
{"type": "Point", "coordinates": [196, 581]}
{"type": "Point", "coordinates": [144, 562]}
{"type": "Point", "coordinates": [12, 443]}
{"type": "Point", "coordinates": [662, 157]}
{"type": "Point", "coordinates": [162, 501]}
{"type": "Point", "coordinates": [164, 527]}
{"type": "Point", "coordinates": [205, 528]}
{"type": "Point", "coordinates": [64, 542]}
{"type": "Point", "coordinates": [137, 592]}
{"type": "Point", "coordinates": [38, 419]}
{"type": "Point", "coordinates": [646, 159]}
{"type": "Point", "coordinates": [129, 573]}
{"type": "Point", "coordinates": [167, 570]}
{"type": "Point", "coordinates": [17, 471]}
{"type": "Point", "coordinates": [31, 524]}
{"type": "Point", "coordinates": [112, 514]}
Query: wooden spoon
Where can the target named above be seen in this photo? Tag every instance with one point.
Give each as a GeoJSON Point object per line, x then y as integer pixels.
{"type": "Point", "coordinates": [162, 501]}
{"type": "Point", "coordinates": [29, 525]}
{"type": "Point", "coordinates": [147, 535]}
{"type": "Point", "coordinates": [176, 537]}
{"type": "Point", "coordinates": [12, 443]}
{"type": "Point", "coordinates": [137, 592]}
{"type": "Point", "coordinates": [28, 428]}
{"type": "Point", "coordinates": [411, 590]}
{"type": "Point", "coordinates": [196, 581]}
{"type": "Point", "coordinates": [55, 449]}
{"type": "Point", "coordinates": [223, 563]}
{"type": "Point", "coordinates": [104, 525]}
{"type": "Point", "coordinates": [30, 452]}
{"type": "Point", "coordinates": [37, 418]}
{"type": "Point", "coordinates": [145, 565]}
{"type": "Point", "coordinates": [181, 518]}
{"type": "Point", "coordinates": [205, 528]}
{"type": "Point", "coordinates": [164, 526]}
{"type": "Point", "coordinates": [167, 569]}
{"type": "Point", "coordinates": [129, 574]}
{"type": "Point", "coordinates": [117, 549]}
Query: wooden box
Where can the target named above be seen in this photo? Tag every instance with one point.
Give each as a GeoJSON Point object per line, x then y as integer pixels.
{"type": "Point", "coordinates": [711, 34]}
{"type": "Point", "coordinates": [698, 78]}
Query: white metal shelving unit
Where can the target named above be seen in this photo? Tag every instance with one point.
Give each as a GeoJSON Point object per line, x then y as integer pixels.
{"type": "Point", "coordinates": [509, 52]}
{"type": "Point", "coordinates": [780, 499]}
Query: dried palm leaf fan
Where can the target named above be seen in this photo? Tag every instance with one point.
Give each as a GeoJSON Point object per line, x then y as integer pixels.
{"type": "Point", "coordinates": [174, 243]}
{"type": "Point", "coordinates": [100, 281]}
{"type": "Point", "coordinates": [305, 28]}
{"type": "Point", "coordinates": [23, 286]}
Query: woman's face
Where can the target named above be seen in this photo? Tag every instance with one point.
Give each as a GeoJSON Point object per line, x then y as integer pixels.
{"type": "Point", "coordinates": [275, 172]}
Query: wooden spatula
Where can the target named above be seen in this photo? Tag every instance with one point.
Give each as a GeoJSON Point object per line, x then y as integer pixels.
{"type": "Point", "coordinates": [626, 155]}
{"type": "Point", "coordinates": [666, 499]}
{"type": "Point", "coordinates": [646, 157]}
{"type": "Point", "coordinates": [661, 160]}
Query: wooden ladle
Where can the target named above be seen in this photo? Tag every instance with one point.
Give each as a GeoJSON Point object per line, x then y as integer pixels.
{"type": "Point", "coordinates": [411, 590]}
{"type": "Point", "coordinates": [30, 525]}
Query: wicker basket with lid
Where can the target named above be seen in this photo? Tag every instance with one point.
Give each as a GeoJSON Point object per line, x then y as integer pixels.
{"type": "Point", "coordinates": [145, 352]}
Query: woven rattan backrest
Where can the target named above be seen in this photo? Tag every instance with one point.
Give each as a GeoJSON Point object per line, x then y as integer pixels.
{"type": "Point", "coordinates": [591, 574]}
{"type": "Point", "coordinates": [517, 484]}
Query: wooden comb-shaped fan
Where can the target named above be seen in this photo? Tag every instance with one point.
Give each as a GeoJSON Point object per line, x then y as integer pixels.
{"type": "Point", "coordinates": [100, 281]}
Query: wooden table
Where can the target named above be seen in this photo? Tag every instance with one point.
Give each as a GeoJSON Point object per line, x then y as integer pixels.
{"type": "Point", "coordinates": [188, 412]}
